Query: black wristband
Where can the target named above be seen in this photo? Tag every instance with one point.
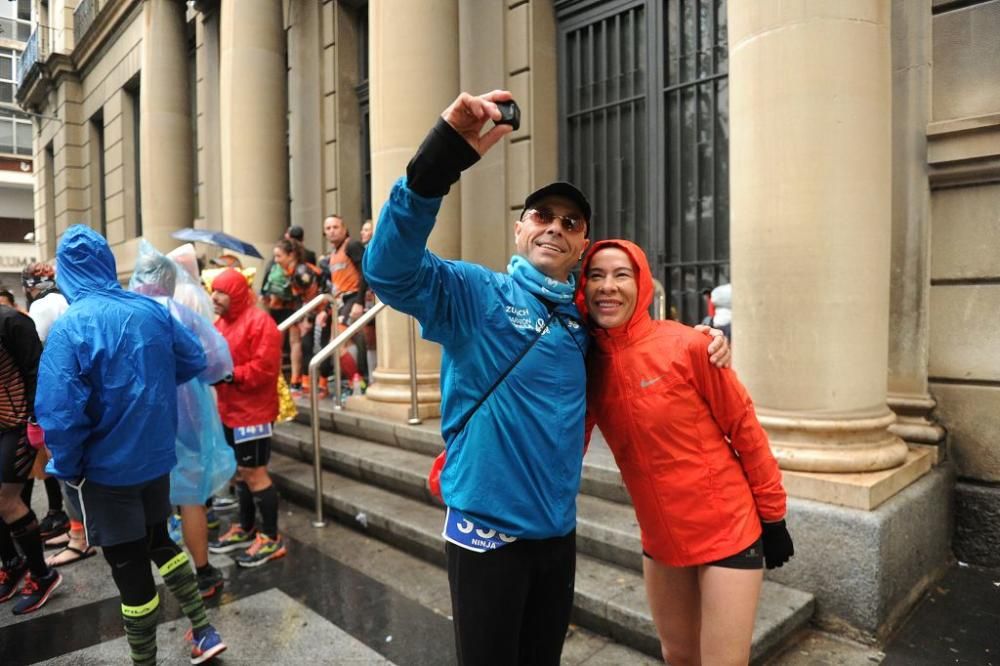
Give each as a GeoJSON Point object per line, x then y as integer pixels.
{"type": "Point", "coordinates": [439, 161]}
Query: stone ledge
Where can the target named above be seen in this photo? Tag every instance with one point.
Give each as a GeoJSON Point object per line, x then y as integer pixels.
{"type": "Point", "coordinates": [395, 411]}
{"type": "Point", "coordinates": [868, 568]}
{"type": "Point", "coordinates": [964, 151]}
{"type": "Point", "coordinates": [860, 491]}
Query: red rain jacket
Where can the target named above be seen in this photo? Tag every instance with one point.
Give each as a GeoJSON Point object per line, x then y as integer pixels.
{"type": "Point", "coordinates": [684, 433]}
{"type": "Point", "coordinates": [255, 344]}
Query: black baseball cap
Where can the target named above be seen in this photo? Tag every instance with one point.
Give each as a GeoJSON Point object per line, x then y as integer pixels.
{"type": "Point", "coordinates": [561, 189]}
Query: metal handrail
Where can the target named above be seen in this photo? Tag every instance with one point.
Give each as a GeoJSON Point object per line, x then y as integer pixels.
{"type": "Point", "coordinates": [659, 300]}
{"type": "Point", "coordinates": [314, 365]}
{"type": "Point", "coordinates": [302, 312]}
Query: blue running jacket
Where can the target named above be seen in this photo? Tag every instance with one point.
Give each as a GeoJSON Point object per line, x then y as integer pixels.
{"type": "Point", "coordinates": [107, 382]}
{"type": "Point", "coordinates": [516, 466]}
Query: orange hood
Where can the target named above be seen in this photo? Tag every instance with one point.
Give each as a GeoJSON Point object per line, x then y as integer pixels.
{"type": "Point", "coordinates": [644, 279]}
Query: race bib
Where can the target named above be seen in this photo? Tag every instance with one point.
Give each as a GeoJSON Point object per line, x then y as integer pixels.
{"type": "Point", "coordinates": [250, 433]}
{"type": "Point", "coordinates": [463, 532]}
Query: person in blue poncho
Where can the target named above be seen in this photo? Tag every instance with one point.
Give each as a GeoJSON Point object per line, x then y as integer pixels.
{"type": "Point", "coordinates": [205, 462]}
{"type": "Point", "coordinates": [107, 401]}
{"type": "Point", "coordinates": [513, 390]}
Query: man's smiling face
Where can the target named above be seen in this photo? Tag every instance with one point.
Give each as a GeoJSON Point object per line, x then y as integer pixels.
{"type": "Point", "coordinates": [549, 247]}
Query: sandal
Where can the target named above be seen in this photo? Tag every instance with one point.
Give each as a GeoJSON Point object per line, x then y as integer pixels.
{"type": "Point", "coordinates": [58, 542]}
{"type": "Point", "coordinates": [80, 555]}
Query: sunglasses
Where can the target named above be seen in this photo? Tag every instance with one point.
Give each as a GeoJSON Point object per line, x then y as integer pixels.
{"type": "Point", "coordinates": [544, 217]}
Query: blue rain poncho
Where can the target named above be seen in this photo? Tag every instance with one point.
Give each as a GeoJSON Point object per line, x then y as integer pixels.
{"type": "Point", "coordinates": [107, 382]}
{"type": "Point", "coordinates": [205, 462]}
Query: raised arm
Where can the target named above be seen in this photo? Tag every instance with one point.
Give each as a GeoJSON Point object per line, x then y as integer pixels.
{"type": "Point", "coordinates": [397, 264]}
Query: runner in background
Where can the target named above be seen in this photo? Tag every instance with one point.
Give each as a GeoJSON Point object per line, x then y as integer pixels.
{"type": "Point", "coordinates": [59, 530]}
{"type": "Point", "coordinates": [204, 461]}
{"type": "Point", "coordinates": [248, 406]}
{"type": "Point", "coordinates": [20, 349]}
{"type": "Point", "coordinates": [107, 399]}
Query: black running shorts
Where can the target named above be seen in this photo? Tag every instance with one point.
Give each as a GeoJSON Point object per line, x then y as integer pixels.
{"type": "Point", "coordinates": [255, 453]}
{"type": "Point", "coordinates": [751, 557]}
{"type": "Point", "coordinates": [16, 455]}
{"type": "Point", "coordinates": [119, 514]}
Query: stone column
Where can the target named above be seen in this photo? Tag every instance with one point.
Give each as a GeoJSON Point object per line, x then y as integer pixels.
{"type": "Point", "coordinates": [414, 75]}
{"type": "Point", "coordinates": [252, 104]}
{"type": "Point", "coordinates": [811, 157]}
{"type": "Point", "coordinates": [910, 277]}
{"type": "Point", "coordinates": [166, 147]}
{"type": "Point", "coordinates": [209, 130]}
{"type": "Point", "coordinates": [304, 99]}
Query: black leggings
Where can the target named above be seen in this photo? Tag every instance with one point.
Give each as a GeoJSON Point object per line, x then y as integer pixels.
{"type": "Point", "coordinates": [130, 563]}
{"type": "Point", "coordinates": [512, 605]}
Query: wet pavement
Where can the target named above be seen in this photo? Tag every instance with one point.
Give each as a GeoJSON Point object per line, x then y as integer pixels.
{"type": "Point", "coordinates": [957, 623]}
{"type": "Point", "coordinates": [341, 597]}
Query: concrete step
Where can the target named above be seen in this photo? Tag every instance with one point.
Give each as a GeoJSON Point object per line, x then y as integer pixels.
{"type": "Point", "coordinates": [600, 474]}
{"type": "Point", "coordinates": [605, 529]}
{"type": "Point", "coordinates": [609, 598]}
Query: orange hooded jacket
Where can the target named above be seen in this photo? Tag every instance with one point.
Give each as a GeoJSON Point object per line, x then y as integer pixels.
{"type": "Point", "coordinates": [684, 433]}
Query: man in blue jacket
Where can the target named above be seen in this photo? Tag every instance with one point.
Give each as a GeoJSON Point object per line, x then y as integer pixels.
{"type": "Point", "coordinates": [107, 401]}
{"type": "Point", "coordinates": [514, 460]}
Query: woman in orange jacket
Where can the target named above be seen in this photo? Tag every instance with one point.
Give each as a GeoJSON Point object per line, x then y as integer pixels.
{"type": "Point", "coordinates": [706, 489]}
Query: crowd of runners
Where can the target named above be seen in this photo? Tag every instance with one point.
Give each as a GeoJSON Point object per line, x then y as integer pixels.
{"type": "Point", "coordinates": [148, 410]}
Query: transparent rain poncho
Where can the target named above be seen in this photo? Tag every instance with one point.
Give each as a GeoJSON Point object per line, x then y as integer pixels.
{"type": "Point", "coordinates": [205, 462]}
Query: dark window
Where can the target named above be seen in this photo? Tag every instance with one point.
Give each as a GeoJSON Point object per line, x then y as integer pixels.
{"type": "Point", "coordinates": [97, 180]}
{"type": "Point", "coordinates": [132, 94]}
{"type": "Point", "coordinates": [6, 132]}
{"type": "Point", "coordinates": [605, 113]}
{"type": "Point", "coordinates": [643, 91]}
{"type": "Point", "coordinates": [696, 102]}
{"type": "Point", "coordinates": [50, 199]}
{"type": "Point", "coordinates": [14, 229]}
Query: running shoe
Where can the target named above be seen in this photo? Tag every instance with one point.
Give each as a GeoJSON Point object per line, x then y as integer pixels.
{"type": "Point", "coordinates": [225, 503]}
{"type": "Point", "coordinates": [211, 520]}
{"type": "Point", "coordinates": [207, 645]}
{"type": "Point", "coordinates": [210, 583]}
{"type": "Point", "coordinates": [36, 592]}
{"type": "Point", "coordinates": [10, 578]}
{"type": "Point", "coordinates": [263, 550]}
{"type": "Point", "coordinates": [174, 529]}
{"type": "Point", "coordinates": [53, 524]}
{"type": "Point", "coordinates": [235, 539]}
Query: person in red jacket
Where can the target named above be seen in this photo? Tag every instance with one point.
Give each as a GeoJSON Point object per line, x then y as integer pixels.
{"type": "Point", "coordinates": [248, 405]}
{"type": "Point", "coordinates": [706, 489]}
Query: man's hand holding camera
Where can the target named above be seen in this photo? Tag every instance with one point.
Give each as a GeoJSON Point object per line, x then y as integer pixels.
{"type": "Point", "coordinates": [469, 114]}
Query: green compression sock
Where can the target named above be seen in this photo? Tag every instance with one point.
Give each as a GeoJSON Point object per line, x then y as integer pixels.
{"type": "Point", "coordinates": [140, 630]}
{"type": "Point", "coordinates": [180, 578]}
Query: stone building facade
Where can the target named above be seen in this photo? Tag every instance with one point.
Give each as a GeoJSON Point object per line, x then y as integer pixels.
{"type": "Point", "coordinates": [838, 161]}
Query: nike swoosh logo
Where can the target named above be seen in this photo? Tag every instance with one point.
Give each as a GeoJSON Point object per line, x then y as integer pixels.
{"type": "Point", "coordinates": [645, 383]}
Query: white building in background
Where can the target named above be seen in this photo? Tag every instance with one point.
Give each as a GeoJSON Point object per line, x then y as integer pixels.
{"type": "Point", "coordinates": [17, 216]}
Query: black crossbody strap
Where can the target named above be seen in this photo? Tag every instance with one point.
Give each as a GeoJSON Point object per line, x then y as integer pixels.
{"type": "Point", "coordinates": [468, 415]}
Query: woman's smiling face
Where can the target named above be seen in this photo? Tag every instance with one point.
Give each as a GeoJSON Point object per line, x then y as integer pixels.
{"type": "Point", "coordinates": [611, 289]}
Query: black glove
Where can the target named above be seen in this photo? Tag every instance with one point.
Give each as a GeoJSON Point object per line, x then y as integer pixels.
{"type": "Point", "coordinates": [439, 161]}
{"type": "Point", "coordinates": [778, 547]}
